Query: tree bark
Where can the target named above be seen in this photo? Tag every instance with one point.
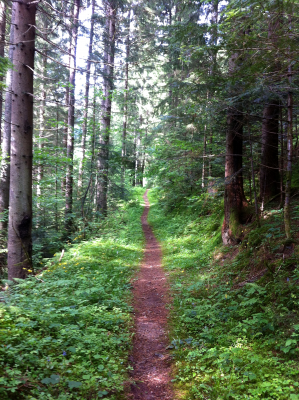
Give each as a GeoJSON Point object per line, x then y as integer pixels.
{"type": "Point", "coordinates": [125, 115]}
{"type": "Point", "coordinates": [234, 198]}
{"type": "Point", "coordinates": [86, 98]}
{"type": "Point", "coordinates": [289, 155]}
{"type": "Point", "coordinates": [20, 213]}
{"type": "Point", "coordinates": [269, 170]}
{"type": "Point", "coordinates": [137, 157]}
{"type": "Point", "coordinates": [71, 121]}
{"type": "Point", "coordinates": [5, 145]}
{"type": "Point", "coordinates": [3, 8]}
{"type": "Point", "coordinates": [42, 110]}
{"type": "Point", "coordinates": [102, 181]}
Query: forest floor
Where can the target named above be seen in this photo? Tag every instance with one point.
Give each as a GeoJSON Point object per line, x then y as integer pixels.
{"type": "Point", "coordinates": [214, 323]}
{"type": "Point", "coordinates": [149, 358]}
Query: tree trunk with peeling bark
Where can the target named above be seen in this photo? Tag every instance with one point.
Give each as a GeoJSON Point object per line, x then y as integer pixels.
{"type": "Point", "coordinates": [20, 196]}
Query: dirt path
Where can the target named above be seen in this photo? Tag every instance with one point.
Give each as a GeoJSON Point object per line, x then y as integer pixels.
{"type": "Point", "coordinates": [149, 358]}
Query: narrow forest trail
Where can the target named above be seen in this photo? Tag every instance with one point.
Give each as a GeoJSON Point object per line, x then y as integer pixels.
{"type": "Point", "coordinates": [150, 360]}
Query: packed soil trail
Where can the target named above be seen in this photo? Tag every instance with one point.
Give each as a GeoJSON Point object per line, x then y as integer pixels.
{"type": "Point", "coordinates": [151, 363]}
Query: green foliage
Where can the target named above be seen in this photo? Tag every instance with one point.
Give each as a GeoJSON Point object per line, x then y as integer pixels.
{"type": "Point", "coordinates": [65, 333]}
{"type": "Point", "coordinates": [233, 335]}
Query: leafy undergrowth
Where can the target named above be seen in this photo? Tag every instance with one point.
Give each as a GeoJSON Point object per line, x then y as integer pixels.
{"type": "Point", "coordinates": [65, 334]}
{"type": "Point", "coordinates": [235, 315]}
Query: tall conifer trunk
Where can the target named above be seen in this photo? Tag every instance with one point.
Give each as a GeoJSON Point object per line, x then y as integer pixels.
{"type": "Point", "coordinates": [86, 98]}
{"type": "Point", "coordinates": [289, 155]}
{"type": "Point", "coordinates": [71, 120]}
{"type": "Point", "coordinates": [102, 181]}
{"type": "Point", "coordinates": [42, 110]}
{"type": "Point", "coordinates": [125, 116]}
{"type": "Point", "coordinates": [3, 8]}
{"type": "Point", "coordinates": [234, 198]}
{"type": "Point", "coordinates": [269, 171]}
{"type": "Point", "coordinates": [20, 197]}
{"type": "Point", "coordinates": [5, 145]}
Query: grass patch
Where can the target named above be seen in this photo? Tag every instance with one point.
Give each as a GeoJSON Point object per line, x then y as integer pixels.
{"type": "Point", "coordinates": [65, 333]}
{"type": "Point", "coordinates": [235, 316]}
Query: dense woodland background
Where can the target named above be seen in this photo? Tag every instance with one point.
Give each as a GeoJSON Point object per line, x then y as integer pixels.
{"type": "Point", "coordinates": [191, 96]}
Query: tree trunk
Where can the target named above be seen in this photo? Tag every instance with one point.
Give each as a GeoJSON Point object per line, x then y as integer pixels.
{"type": "Point", "coordinates": [71, 121]}
{"type": "Point", "coordinates": [287, 201]}
{"type": "Point", "coordinates": [125, 116]}
{"type": "Point", "coordinates": [269, 170]}
{"type": "Point", "coordinates": [137, 157]}
{"type": "Point", "coordinates": [203, 173]}
{"type": "Point", "coordinates": [86, 98]}
{"type": "Point", "coordinates": [64, 137]}
{"type": "Point", "coordinates": [6, 138]}
{"type": "Point", "coordinates": [42, 110]}
{"type": "Point", "coordinates": [20, 196]}
{"type": "Point", "coordinates": [3, 8]}
{"type": "Point", "coordinates": [234, 198]}
{"type": "Point", "coordinates": [213, 70]}
{"type": "Point", "coordinates": [281, 159]}
{"type": "Point", "coordinates": [102, 182]}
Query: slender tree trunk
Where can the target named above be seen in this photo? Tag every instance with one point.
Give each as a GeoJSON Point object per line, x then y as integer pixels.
{"type": "Point", "coordinates": [234, 198]}
{"type": "Point", "coordinates": [64, 137]}
{"type": "Point", "coordinates": [20, 212]}
{"type": "Point", "coordinates": [287, 202]}
{"type": "Point", "coordinates": [3, 9]}
{"type": "Point", "coordinates": [42, 110]}
{"type": "Point", "coordinates": [214, 39]}
{"type": "Point", "coordinates": [269, 170]}
{"type": "Point", "coordinates": [125, 116]}
{"type": "Point", "coordinates": [289, 155]}
{"type": "Point", "coordinates": [102, 182]}
{"type": "Point", "coordinates": [253, 179]}
{"type": "Point", "coordinates": [203, 174]}
{"type": "Point", "coordinates": [56, 168]}
{"type": "Point", "coordinates": [86, 98]}
{"type": "Point", "coordinates": [137, 159]}
{"type": "Point", "coordinates": [6, 138]}
{"type": "Point", "coordinates": [281, 159]}
{"type": "Point", "coordinates": [71, 121]}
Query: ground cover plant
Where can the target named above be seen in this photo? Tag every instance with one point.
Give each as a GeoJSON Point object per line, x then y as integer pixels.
{"type": "Point", "coordinates": [235, 317]}
{"type": "Point", "coordinates": [65, 332]}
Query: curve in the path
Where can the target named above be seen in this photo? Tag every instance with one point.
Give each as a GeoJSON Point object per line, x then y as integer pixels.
{"type": "Point", "coordinates": [151, 363]}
